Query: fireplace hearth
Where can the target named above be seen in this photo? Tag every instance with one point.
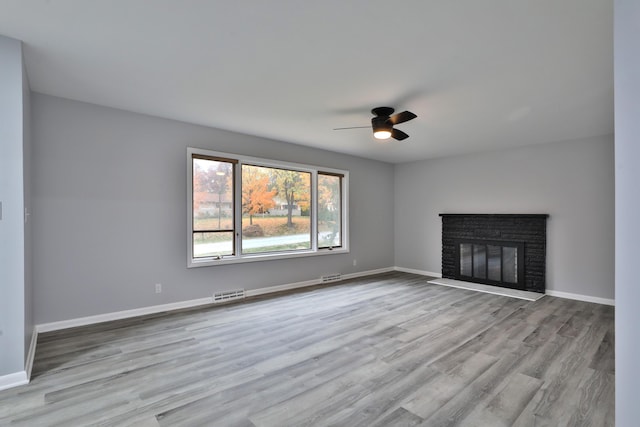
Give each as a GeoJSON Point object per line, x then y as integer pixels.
{"type": "Point", "coordinates": [507, 250]}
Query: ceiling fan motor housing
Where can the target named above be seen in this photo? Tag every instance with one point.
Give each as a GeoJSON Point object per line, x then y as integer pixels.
{"type": "Point", "coordinates": [381, 123]}
{"type": "Point", "coordinates": [382, 112]}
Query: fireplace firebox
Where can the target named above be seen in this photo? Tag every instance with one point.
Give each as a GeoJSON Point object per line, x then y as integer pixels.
{"type": "Point", "coordinates": [507, 250]}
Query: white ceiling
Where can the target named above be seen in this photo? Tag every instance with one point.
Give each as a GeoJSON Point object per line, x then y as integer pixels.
{"type": "Point", "coordinates": [480, 75]}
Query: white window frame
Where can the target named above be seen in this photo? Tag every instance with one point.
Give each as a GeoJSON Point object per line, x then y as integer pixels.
{"type": "Point", "coordinates": [239, 257]}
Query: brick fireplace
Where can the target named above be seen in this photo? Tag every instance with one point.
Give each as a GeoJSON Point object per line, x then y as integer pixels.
{"type": "Point", "coordinates": [507, 250]}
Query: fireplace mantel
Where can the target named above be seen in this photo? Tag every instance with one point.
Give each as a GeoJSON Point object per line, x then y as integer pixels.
{"type": "Point", "coordinates": [526, 231]}
{"type": "Point", "coordinates": [498, 215]}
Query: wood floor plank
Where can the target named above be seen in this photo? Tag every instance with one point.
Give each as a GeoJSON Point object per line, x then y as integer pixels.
{"type": "Point", "coordinates": [436, 393]}
{"type": "Point", "coordinates": [603, 359]}
{"type": "Point", "coordinates": [383, 350]}
{"type": "Point", "coordinates": [594, 408]}
{"type": "Point", "coordinates": [399, 418]}
{"type": "Point", "coordinates": [476, 393]}
{"type": "Point", "coordinates": [387, 392]}
{"type": "Point", "coordinates": [504, 408]}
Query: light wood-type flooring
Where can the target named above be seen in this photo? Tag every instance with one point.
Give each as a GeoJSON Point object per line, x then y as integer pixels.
{"type": "Point", "coordinates": [385, 350]}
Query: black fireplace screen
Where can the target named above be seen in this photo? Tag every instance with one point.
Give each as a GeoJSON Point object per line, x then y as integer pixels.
{"type": "Point", "coordinates": [491, 262]}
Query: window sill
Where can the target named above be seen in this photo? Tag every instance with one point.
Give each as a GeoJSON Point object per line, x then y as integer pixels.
{"type": "Point", "coordinates": [208, 262]}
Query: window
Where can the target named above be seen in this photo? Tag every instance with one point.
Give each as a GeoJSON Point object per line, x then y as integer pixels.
{"type": "Point", "coordinates": [329, 210]}
{"type": "Point", "coordinates": [212, 206]}
{"type": "Point", "coordinates": [244, 209]}
{"type": "Point", "coordinates": [276, 214]}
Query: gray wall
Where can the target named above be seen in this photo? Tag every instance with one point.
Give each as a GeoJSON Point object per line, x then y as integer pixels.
{"type": "Point", "coordinates": [110, 214]}
{"type": "Point", "coordinates": [12, 246]}
{"type": "Point", "coordinates": [28, 235]}
{"type": "Point", "coordinates": [572, 181]}
{"type": "Point", "coordinates": [627, 160]}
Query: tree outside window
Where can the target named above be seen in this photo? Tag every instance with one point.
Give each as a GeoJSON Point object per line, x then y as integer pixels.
{"type": "Point", "coordinates": [280, 205]}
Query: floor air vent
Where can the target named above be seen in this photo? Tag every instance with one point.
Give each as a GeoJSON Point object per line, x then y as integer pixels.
{"type": "Point", "coordinates": [228, 295]}
{"type": "Point", "coordinates": [331, 278]}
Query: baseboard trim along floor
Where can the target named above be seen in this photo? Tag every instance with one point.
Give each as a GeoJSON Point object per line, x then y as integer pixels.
{"type": "Point", "coordinates": [13, 380]}
{"type": "Point", "coordinates": [71, 323]}
{"type": "Point", "coordinates": [143, 311]}
{"type": "Point", "coordinates": [496, 290]}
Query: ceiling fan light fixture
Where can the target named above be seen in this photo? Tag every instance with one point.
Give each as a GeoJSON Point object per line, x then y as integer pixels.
{"type": "Point", "coordinates": [382, 134]}
{"type": "Point", "coordinates": [381, 128]}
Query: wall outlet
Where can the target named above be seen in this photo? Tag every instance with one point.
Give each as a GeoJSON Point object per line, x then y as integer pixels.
{"type": "Point", "coordinates": [158, 288]}
{"type": "Point", "coordinates": [355, 262]}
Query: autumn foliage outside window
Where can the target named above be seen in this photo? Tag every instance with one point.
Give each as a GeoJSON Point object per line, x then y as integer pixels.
{"type": "Point", "coordinates": [275, 209]}
{"type": "Point", "coordinates": [329, 210]}
{"type": "Point", "coordinates": [241, 208]}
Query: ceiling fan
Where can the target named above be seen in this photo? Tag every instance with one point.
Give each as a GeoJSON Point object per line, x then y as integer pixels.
{"type": "Point", "coordinates": [383, 123]}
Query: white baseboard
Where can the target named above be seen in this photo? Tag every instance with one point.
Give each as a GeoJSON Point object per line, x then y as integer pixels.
{"type": "Point", "coordinates": [367, 273]}
{"type": "Point", "coordinates": [90, 320]}
{"type": "Point", "coordinates": [13, 380]}
{"type": "Point", "coordinates": [118, 315]}
{"type": "Point", "coordinates": [21, 378]}
{"type": "Point", "coordinates": [567, 295]}
{"type": "Point", "coordinates": [579, 297]}
{"type": "Point", "coordinates": [31, 355]}
{"type": "Point", "coordinates": [420, 272]}
{"type": "Point", "coordinates": [280, 288]}
{"type": "Point", "coordinates": [314, 282]}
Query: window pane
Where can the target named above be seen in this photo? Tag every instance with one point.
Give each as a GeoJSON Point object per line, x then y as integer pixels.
{"type": "Point", "coordinates": [212, 195]}
{"type": "Point", "coordinates": [329, 211]}
{"type": "Point", "coordinates": [480, 261]}
{"type": "Point", "coordinates": [212, 244]}
{"type": "Point", "coordinates": [275, 209]}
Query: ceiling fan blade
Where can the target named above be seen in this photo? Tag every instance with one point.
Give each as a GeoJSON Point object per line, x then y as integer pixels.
{"type": "Point", "coordinates": [353, 127]}
{"type": "Point", "coordinates": [405, 116]}
{"type": "Point", "coordinates": [398, 134]}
